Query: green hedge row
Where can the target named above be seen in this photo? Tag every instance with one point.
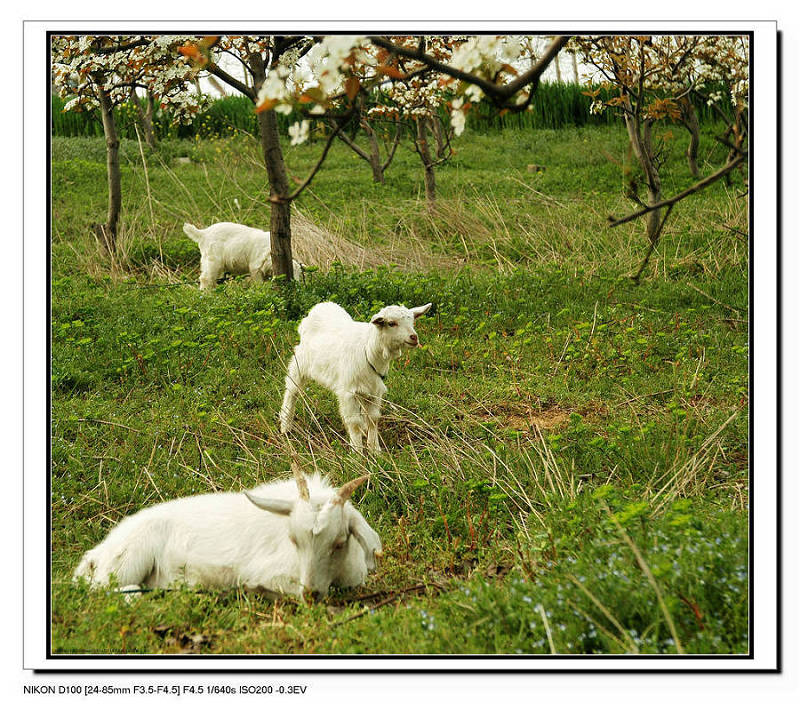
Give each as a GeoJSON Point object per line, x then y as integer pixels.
{"type": "Point", "coordinates": [555, 105]}
{"type": "Point", "coordinates": [221, 117]}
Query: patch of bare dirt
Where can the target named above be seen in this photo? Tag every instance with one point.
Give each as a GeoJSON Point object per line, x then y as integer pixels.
{"type": "Point", "coordinates": [183, 641]}
{"type": "Point", "coordinates": [523, 417]}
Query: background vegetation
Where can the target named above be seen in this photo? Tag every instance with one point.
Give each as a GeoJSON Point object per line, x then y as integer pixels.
{"type": "Point", "coordinates": [557, 105]}
{"type": "Point", "coordinates": [566, 462]}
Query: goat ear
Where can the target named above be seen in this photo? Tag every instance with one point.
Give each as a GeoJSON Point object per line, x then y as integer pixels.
{"type": "Point", "coordinates": [276, 506]}
{"type": "Point", "coordinates": [379, 321]}
{"type": "Point", "coordinates": [363, 533]}
{"type": "Point", "coordinates": [420, 310]}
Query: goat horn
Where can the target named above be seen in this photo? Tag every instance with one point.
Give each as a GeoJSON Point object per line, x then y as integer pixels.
{"type": "Point", "coordinates": [302, 484]}
{"type": "Point", "coordinates": [346, 490]}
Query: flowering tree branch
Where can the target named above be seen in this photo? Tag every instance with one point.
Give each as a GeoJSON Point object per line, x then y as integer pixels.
{"type": "Point", "coordinates": [500, 93]}
{"type": "Point", "coordinates": [111, 49]}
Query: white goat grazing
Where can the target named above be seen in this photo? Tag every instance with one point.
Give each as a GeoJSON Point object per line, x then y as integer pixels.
{"type": "Point", "coordinates": [306, 537]}
{"type": "Point", "coordinates": [351, 358]}
{"type": "Point", "coordinates": [235, 249]}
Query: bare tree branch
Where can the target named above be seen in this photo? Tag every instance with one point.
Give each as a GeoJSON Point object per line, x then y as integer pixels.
{"type": "Point", "coordinates": [344, 138]}
{"type": "Point", "coordinates": [732, 146]}
{"type": "Point", "coordinates": [220, 73]}
{"type": "Point", "coordinates": [315, 169]}
{"type": "Point", "coordinates": [653, 245]}
{"type": "Point", "coordinates": [393, 149]}
{"type": "Point", "coordinates": [697, 187]}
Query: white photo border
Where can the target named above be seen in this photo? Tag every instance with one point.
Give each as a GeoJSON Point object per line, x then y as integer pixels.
{"type": "Point", "coordinates": [765, 512]}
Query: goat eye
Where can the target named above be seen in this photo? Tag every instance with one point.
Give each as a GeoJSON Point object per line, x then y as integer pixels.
{"type": "Point", "coordinates": [338, 545]}
{"type": "Point", "coordinates": [392, 323]}
{"type": "Point", "coordinates": [293, 540]}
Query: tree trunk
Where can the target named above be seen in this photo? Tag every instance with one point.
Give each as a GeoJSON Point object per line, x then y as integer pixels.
{"type": "Point", "coordinates": [427, 163]}
{"type": "Point", "coordinates": [737, 131]}
{"type": "Point", "coordinates": [108, 231]}
{"type": "Point", "coordinates": [392, 150]}
{"type": "Point", "coordinates": [558, 69]}
{"type": "Point", "coordinates": [280, 217]}
{"type": "Point", "coordinates": [641, 141]}
{"type": "Point", "coordinates": [280, 210]}
{"type": "Point", "coordinates": [149, 115]}
{"type": "Point", "coordinates": [146, 119]}
{"type": "Point", "coordinates": [374, 154]}
{"type": "Point", "coordinates": [575, 67]}
{"type": "Point", "coordinates": [440, 135]}
{"type": "Point", "coordinates": [689, 119]}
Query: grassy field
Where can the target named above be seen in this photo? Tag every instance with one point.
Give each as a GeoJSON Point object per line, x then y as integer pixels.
{"type": "Point", "coordinates": [565, 466]}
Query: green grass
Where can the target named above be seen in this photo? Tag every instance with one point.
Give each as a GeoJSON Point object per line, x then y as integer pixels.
{"type": "Point", "coordinates": [559, 426]}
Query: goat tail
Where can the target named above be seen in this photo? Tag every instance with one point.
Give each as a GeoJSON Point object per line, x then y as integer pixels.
{"type": "Point", "coordinates": [192, 232]}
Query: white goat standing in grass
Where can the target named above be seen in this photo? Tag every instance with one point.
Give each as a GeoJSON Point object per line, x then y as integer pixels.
{"type": "Point", "coordinates": [290, 536]}
{"type": "Point", "coordinates": [351, 358]}
{"type": "Point", "coordinates": [235, 249]}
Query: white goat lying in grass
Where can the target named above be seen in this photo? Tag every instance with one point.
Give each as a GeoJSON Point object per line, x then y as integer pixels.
{"type": "Point", "coordinates": [235, 249]}
{"type": "Point", "coordinates": [351, 358]}
{"type": "Point", "coordinates": [289, 536]}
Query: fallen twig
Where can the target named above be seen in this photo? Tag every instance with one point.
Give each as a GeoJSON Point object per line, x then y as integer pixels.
{"type": "Point", "coordinates": [540, 194]}
{"type": "Point", "coordinates": [719, 303]}
{"type": "Point", "coordinates": [107, 422]}
{"type": "Point", "coordinates": [392, 598]}
{"type": "Point", "coordinates": [639, 397]}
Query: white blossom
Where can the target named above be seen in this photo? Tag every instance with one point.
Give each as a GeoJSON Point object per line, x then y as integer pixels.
{"type": "Point", "coordinates": [299, 132]}
{"type": "Point", "coordinates": [458, 118]}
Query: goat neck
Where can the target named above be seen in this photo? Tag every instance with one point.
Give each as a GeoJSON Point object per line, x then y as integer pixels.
{"type": "Point", "coordinates": [380, 356]}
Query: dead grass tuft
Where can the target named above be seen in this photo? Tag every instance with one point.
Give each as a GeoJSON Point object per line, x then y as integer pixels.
{"type": "Point", "coordinates": [316, 245]}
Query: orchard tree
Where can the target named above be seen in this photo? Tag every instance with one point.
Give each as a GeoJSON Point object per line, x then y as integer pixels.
{"type": "Point", "coordinates": [417, 74]}
{"type": "Point", "coordinates": [390, 132]}
{"type": "Point", "coordinates": [417, 101]}
{"type": "Point", "coordinates": [100, 72]}
{"type": "Point", "coordinates": [405, 99]}
{"type": "Point", "coordinates": [637, 69]}
{"type": "Point", "coordinates": [272, 65]}
{"type": "Point", "coordinates": [378, 129]}
{"type": "Point", "coordinates": [462, 70]}
{"type": "Point", "coordinates": [334, 72]}
{"type": "Point", "coordinates": [653, 78]}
